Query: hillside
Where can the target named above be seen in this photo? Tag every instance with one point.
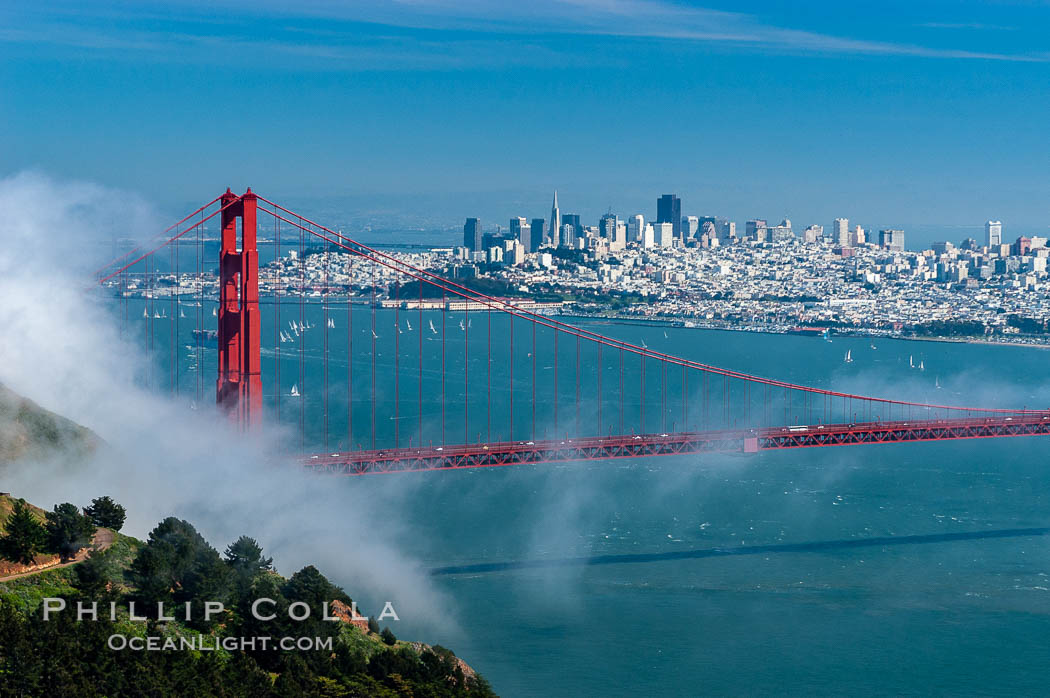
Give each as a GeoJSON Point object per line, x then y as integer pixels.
{"type": "Point", "coordinates": [27, 429]}
{"type": "Point", "coordinates": [7, 503]}
{"type": "Point", "coordinates": [176, 566]}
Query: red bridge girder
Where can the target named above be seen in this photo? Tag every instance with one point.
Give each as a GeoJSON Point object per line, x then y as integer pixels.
{"type": "Point", "coordinates": [647, 445]}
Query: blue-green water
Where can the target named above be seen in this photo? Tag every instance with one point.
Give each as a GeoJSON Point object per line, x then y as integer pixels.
{"type": "Point", "coordinates": [957, 617]}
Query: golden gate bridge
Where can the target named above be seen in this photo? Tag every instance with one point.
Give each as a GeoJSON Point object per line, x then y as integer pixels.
{"type": "Point", "coordinates": [559, 392]}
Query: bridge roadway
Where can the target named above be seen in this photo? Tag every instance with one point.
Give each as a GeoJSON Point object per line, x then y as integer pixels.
{"type": "Point", "coordinates": [1021, 423]}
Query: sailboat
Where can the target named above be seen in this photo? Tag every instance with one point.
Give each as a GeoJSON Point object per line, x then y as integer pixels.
{"type": "Point", "coordinates": [665, 334]}
{"type": "Point", "coordinates": [462, 327]}
{"type": "Point", "coordinates": [409, 323]}
{"type": "Point", "coordinates": [849, 357]}
{"type": "Point", "coordinates": [156, 315]}
{"type": "Point", "coordinates": [214, 312]}
{"type": "Point", "coordinates": [331, 324]}
{"type": "Point", "coordinates": [295, 390]}
{"type": "Point", "coordinates": [873, 346]}
{"type": "Point", "coordinates": [181, 314]}
{"type": "Point", "coordinates": [937, 383]}
{"type": "Point", "coordinates": [922, 366]}
{"type": "Point", "coordinates": [432, 327]}
{"type": "Point", "coordinates": [145, 314]}
{"type": "Point", "coordinates": [374, 335]}
{"type": "Point", "coordinates": [644, 345]}
{"type": "Point", "coordinates": [911, 362]}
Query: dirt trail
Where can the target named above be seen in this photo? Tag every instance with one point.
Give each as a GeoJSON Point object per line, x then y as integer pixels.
{"type": "Point", "coordinates": [102, 540]}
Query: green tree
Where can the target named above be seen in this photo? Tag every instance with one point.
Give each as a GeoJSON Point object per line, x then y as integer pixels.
{"type": "Point", "coordinates": [177, 565]}
{"type": "Point", "coordinates": [23, 536]}
{"type": "Point", "coordinates": [373, 625]}
{"type": "Point", "coordinates": [68, 530]}
{"type": "Point", "coordinates": [94, 575]}
{"type": "Point", "coordinates": [106, 513]}
{"type": "Point", "coordinates": [388, 636]}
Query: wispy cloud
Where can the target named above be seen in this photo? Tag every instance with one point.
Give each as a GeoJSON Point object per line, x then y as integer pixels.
{"type": "Point", "coordinates": [977, 26]}
{"type": "Point", "coordinates": [478, 27]}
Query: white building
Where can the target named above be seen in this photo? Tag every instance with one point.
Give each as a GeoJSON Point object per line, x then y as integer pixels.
{"type": "Point", "coordinates": [840, 232]}
{"type": "Point", "coordinates": [664, 233]}
{"type": "Point", "coordinates": [993, 232]}
{"type": "Point", "coordinates": [648, 236]}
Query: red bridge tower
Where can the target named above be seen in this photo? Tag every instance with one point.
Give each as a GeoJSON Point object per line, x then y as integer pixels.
{"type": "Point", "coordinates": [239, 387]}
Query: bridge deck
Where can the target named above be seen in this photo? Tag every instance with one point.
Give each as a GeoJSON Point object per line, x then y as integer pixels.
{"type": "Point", "coordinates": [1032, 423]}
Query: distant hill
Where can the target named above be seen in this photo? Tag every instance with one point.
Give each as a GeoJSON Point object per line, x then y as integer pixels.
{"type": "Point", "coordinates": [27, 429]}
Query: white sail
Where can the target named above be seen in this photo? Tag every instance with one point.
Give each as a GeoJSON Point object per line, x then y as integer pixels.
{"type": "Point", "coordinates": [911, 362]}
{"type": "Point", "coordinates": [432, 327]}
{"type": "Point", "coordinates": [409, 323]}
{"type": "Point", "coordinates": [144, 312]}
{"type": "Point", "coordinates": [295, 390]}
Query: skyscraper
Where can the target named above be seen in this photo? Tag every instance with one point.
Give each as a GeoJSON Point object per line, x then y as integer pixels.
{"type": "Point", "coordinates": [472, 234]}
{"type": "Point", "coordinates": [691, 226]}
{"type": "Point", "coordinates": [636, 228]}
{"type": "Point", "coordinates": [522, 231]}
{"type": "Point", "coordinates": [555, 226]}
{"type": "Point", "coordinates": [664, 234]}
{"type": "Point", "coordinates": [571, 221]}
{"type": "Point", "coordinates": [669, 210]}
{"type": "Point", "coordinates": [993, 231]}
{"type": "Point", "coordinates": [538, 230]}
{"type": "Point", "coordinates": [891, 239]}
{"type": "Point", "coordinates": [840, 232]}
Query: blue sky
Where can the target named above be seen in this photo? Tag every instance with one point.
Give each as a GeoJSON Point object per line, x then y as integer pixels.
{"type": "Point", "coordinates": [892, 113]}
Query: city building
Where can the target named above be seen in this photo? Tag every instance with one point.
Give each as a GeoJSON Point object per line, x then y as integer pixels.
{"type": "Point", "coordinates": [857, 237]}
{"type": "Point", "coordinates": [472, 234]}
{"type": "Point", "coordinates": [755, 230]}
{"type": "Point", "coordinates": [690, 227]}
{"type": "Point", "coordinates": [607, 226]}
{"type": "Point", "coordinates": [648, 239]}
{"type": "Point", "coordinates": [891, 239]}
{"type": "Point", "coordinates": [538, 229]}
{"type": "Point", "coordinates": [840, 232]}
{"type": "Point", "coordinates": [571, 222]}
{"type": "Point", "coordinates": [636, 227]}
{"type": "Point", "coordinates": [780, 233]}
{"type": "Point", "coordinates": [993, 233]}
{"type": "Point", "coordinates": [555, 227]}
{"type": "Point", "coordinates": [669, 210]}
{"type": "Point", "coordinates": [664, 234]}
{"type": "Point", "coordinates": [521, 230]}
